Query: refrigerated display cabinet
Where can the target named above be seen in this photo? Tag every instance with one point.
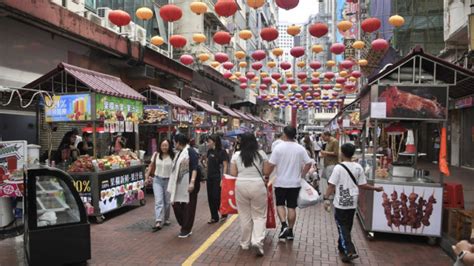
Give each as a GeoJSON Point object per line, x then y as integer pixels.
{"type": "Point", "coordinates": [57, 231]}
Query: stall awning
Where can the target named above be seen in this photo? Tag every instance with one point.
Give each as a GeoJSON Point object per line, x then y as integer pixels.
{"type": "Point", "coordinates": [228, 111]}
{"type": "Point", "coordinates": [242, 115]}
{"type": "Point", "coordinates": [205, 106]}
{"type": "Point", "coordinates": [94, 81]}
{"type": "Point", "coordinates": [254, 118]}
{"type": "Point", "coordinates": [170, 97]}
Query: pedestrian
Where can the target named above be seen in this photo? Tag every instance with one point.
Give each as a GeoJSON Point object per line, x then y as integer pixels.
{"type": "Point", "coordinates": [464, 252]}
{"type": "Point", "coordinates": [184, 184]}
{"type": "Point", "coordinates": [292, 164]}
{"type": "Point", "coordinates": [331, 158]}
{"type": "Point", "coordinates": [308, 145]}
{"type": "Point", "coordinates": [86, 147]}
{"type": "Point", "coordinates": [251, 192]}
{"type": "Point", "coordinates": [159, 175]}
{"type": "Point", "coordinates": [278, 140]}
{"type": "Point", "coordinates": [317, 144]}
{"type": "Point", "coordinates": [217, 163]}
{"type": "Point", "coordinates": [346, 180]}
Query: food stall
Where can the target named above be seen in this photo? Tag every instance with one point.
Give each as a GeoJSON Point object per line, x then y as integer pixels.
{"type": "Point", "coordinates": [163, 114]}
{"type": "Point", "coordinates": [229, 122]}
{"type": "Point", "coordinates": [205, 119]}
{"type": "Point", "coordinates": [103, 105]}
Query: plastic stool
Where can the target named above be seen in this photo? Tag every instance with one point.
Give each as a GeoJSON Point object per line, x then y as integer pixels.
{"type": "Point", "coordinates": [453, 196]}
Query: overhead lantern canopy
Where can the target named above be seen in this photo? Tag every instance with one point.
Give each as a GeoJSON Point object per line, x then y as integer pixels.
{"type": "Point", "coordinates": [363, 62]}
{"type": "Point", "coordinates": [198, 8]}
{"type": "Point", "coordinates": [242, 64]}
{"type": "Point", "coordinates": [157, 40]}
{"type": "Point", "coordinates": [344, 25]}
{"type": "Point", "coordinates": [293, 30]}
{"type": "Point", "coordinates": [240, 55]}
{"type": "Point", "coordinates": [170, 13]}
{"type": "Point", "coordinates": [317, 48]}
{"type": "Point", "coordinates": [178, 41]}
{"type": "Point", "coordinates": [285, 65]}
{"type": "Point", "coordinates": [203, 57]}
{"type": "Point", "coordinates": [228, 65]}
{"type": "Point", "coordinates": [199, 38]}
{"type": "Point", "coordinates": [269, 34]}
{"type": "Point", "coordinates": [379, 45]}
{"type": "Point", "coordinates": [222, 37]}
{"type": "Point", "coordinates": [318, 30]}
{"type": "Point", "coordinates": [370, 24]}
{"type": "Point", "coordinates": [287, 4]}
{"type": "Point", "coordinates": [226, 8]}
{"type": "Point", "coordinates": [215, 64]}
{"type": "Point", "coordinates": [297, 51]}
{"type": "Point", "coordinates": [315, 65]}
{"type": "Point", "coordinates": [144, 13]}
{"type": "Point", "coordinates": [186, 59]}
{"type": "Point", "coordinates": [396, 21]}
{"type": "Point", "coordinates": [271, 64]}
{"type": "Point", "coordinates": [337, 48]}
{"type": "Point", "coordinates": [255, 3]}
{"type": "Point", "coordinates": [277, 52]}
{"type": "Point", "coordinates": [358, 45]}
{"type": "Point", "coordinates": [259, 55]}
{"type": "Point", "coordinates": [119, 17]}
{"type": "Point", "coordinates": [221, 57]}
{"type": "Point", "coordinates": [245, 34]}
{"type": "Point", "coordinates": [257, 66]}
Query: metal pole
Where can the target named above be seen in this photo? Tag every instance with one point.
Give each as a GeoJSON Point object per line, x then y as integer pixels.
{"type": "Point", "coordinates": [374, 152]}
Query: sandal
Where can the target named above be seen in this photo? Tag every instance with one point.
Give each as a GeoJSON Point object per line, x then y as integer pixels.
{"type": "Point", "coordinates": [212, 221]}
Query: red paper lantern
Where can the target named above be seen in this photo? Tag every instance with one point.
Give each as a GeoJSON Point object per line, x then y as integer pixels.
{"type": "Point", "coordinates": [379, 45]}
{"type": "Point", "coordinates": [226, 8]}
{"type": "Point", "coordinates": [243, 86]}
{"type": "Point", "coordinates": [269, 34]}
{"type": "Point", "coordinates": [178, 41]}
{"type": "Point", "coordinates": [347, 64]}
{"type": "Point", "coordinates": [297, 51]}
{"type": "Point", "coordinates": [228, 65]}
{"type": "Point", "coordinates": [222, 37]}
{"type": "Point", "coordinates": [340, 80]}
{"type": "Point", "coordinates": [304, 87]}
{"type": "Point", "coordinates": [283, 87]}
{"type": "Point", "coordinates": [315, 65]}
{"type": "Point", "coordinates": [276, 76]}
{"type": "Point", "coordinates": [263, 87]}
{"type": "Point", "coordinates": [290, 80]}
{"type": "Point", "coordinates": [287, 4]}
{"type": "Point", "coordinates": [337, 48]}
{"type": "Point", "coordinates": [315, 81]}
{"type": "Point", "coordinates": [119, 17]}
{"type": "Point", "coordinates": [356, 74]}
{"type": "Point", "coordinates": [250, 75]}
{"type": "Point", "coordinates": [327, 86]}
{"type": "Point", "coordinates": [259, 55]}
{"type": "Point", "coordinates": [370, 24]}
{"type": "Point", "coordinates": [186, 59]}
{"type": "Point", "coordinates": [298, 95]}
{"type": "Point", "coordinates": [267, 80]}
{"type": "Point", "coordinates": [227, 75]}
{"type": "Point", "coordinates": [349, 87]}
{"type": "Point", "coordinates": [318, 30]}
{"type": "Point", "coordinates": [221, 57]}
{"type": "Point", "coordinates": [257, 66]}
{"type": "Point", "coordinates": [285, 65]}
{"type": "Point", "coordinates": [329, 75]}
{"type": "Point", "coordinates": [243, 79]}
{"type": "Point", "coordinates": [170, 13]}
{"type": "Point", "coordinates": [302, 75]}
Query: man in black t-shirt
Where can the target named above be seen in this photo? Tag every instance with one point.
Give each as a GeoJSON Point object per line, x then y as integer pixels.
{"type": "Point", "coordinates": [217, 163]}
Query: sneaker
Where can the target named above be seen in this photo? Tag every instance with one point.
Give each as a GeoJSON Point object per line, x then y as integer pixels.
{"type": "Point", "coordinates": [353, 256]}
{"type": "Point", "coordinates": [258, 250]}
{"type": "Point", "coordinates": [167, 223]}
{"type": "Point", "coordinates": [185, 235]}
{"type": "Point", "coordinates": [283, 234]}
{"type": "Point", "coordinates": [290, 235]}
{"type": "Point", "coordinates": [244, 247]}
{"type": "Point", "coordinates": [345, 258]}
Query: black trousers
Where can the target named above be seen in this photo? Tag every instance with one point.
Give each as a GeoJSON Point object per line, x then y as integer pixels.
{"type": "Point", "coordinates": [185, 212]}
{"type": "Point", "coordinates": [214, 195]}
{"type": "Point", "coordinates": [344, 221]}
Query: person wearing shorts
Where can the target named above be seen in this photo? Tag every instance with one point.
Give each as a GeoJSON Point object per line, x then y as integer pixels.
{"type": "Point", "coordinates": [292, 163]}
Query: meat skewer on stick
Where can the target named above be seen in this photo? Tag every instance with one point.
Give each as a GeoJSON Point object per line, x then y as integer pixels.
{"type": "Point", "coordinates": [387, 207]}
{"type": "Point", "coordinates": [404, 209]}
{"type": "Point", "coordinates": [412, 209]}
{"type": "Point", "coordinates": [396, 217]}
{"type": "Point", "coordinates": [428, 211]}
{"type": "Point", "coordinates": [419, 211]}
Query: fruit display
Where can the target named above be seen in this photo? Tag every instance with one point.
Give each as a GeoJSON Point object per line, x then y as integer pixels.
{"type": "Point", "coordinates": [87, 164]}
{"type": "Point", "coordinates": [82, 164]}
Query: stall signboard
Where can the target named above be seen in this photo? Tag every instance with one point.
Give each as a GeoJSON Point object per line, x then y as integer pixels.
{"type": "Point", "coordinates": [156, 114]}
{"type": "Point", "coordinates": [181, 115]}
{"type": "Point", "coordinates": [12, 156]}
{"type": "Point", "coordinates": [464, 102]}
{"type": "Point", "coordinates": [70, 107]}
{"type": "Point", "coordinates": [199, 119]}
{"type": "Point", "coordinates": [365, 106]}
{"type": "Point", "coordinates": [423, 204]}
{"type": "Point", "coordinates": [413, 102]}
{"type": "Point", "coordinates": [214, 120]}
{"type": "Point", "coordinates": [109, 108]}
{"type": "Point", "coordinates": [82, 183]}
{"type": "Point", "coordinates": [235, 123]}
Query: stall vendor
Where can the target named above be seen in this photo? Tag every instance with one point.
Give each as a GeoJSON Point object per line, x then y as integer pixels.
{"type": "Point", "coordinates": [118, 143]}
{"type": "Point", "coordinates": [85, 146]}
{"type": "Point", "coordinates": [67, 152]}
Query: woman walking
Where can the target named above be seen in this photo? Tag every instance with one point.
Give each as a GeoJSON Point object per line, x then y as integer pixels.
{"type": "Point", "coordinates": [217, 163]}
{"type": "Point", "coordinates": [184, 185]}
{"type": "Point", "coordinates": [251, 192]}
{"type": "Point", "coordinates": [159, 174]}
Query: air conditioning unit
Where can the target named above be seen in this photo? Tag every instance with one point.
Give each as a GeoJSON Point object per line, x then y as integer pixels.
{"type": "Point", "coordinates": [103, 12]}
{"type": "Point", "coordinates": [76, 6]}
{"type": "Point", "coordinates": [129, 31]}
{"type": "Point", "coordinates": [91, 16]}
{"type": "Point", "coordinates": [140, 35]}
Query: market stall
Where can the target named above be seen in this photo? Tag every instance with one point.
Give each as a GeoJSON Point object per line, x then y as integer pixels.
{"type": "Point", "coordinates": [229, 122]}
{"type": "Point", "coordinates": [107, 108]}
{"type": "Point", "coordinates": [205, 119]}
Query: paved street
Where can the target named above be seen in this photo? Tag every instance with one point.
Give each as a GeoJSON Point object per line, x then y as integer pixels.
{"type": "Point", "coordinates": [125, 239]}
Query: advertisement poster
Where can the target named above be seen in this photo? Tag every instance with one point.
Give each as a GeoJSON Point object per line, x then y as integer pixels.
{"type": "Point", "coordinates": [12, 156]}
{"type": "Point", "coordinates": [365, 106]}
{"type": "Point", "coordinates": [156, 114]}
{"type": "Point", "coordinates": [408, 209]}
{"type": "Point", "coordinates": [414, 102]}
{"type": "Point", "coordinates": [235, 123]}
{"type": "Point", "coordinates": [199, 119]}
{"type": "Point", "coordinates": [72, 107]}
{"type": "Point", "coordinates": [181, 115]}
{"type": "Point", "coordinates": [110, 108]}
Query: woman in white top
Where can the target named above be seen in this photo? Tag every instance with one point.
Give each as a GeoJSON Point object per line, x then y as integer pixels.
{"type": "Point", "coordinates": [160, 171]}
{"type": "Point", "coordinates": [251, 192]}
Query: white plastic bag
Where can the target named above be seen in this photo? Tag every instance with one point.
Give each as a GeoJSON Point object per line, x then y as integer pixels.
{"type": "Point", "coordinates": [308, 196]}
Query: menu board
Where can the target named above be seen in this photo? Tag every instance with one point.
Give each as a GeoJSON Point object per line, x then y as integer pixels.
{"type": "Point", "coordinates": [156, 114]}
{"type": "Point", "coordinates": [181, 115]}
{"type": "Point", "coordinates": [70, 107]}
{"type": "Point", "coordinates": [199, 119]}
{"type": "Point", "coordinates": [109, 108]}
{"type": "Point", "coordinates": [12, 156]}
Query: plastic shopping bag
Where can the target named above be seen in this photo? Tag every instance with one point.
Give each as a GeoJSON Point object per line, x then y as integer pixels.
{"type": "Point", "coordinates": [308, 195]}
{"type": "Point", "coordinates": [271, 219]}
{"type": "Point", "coordinates": [228, 202]}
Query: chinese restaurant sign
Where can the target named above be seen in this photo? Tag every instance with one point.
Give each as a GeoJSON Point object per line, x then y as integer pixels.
{"type": "Point", "coordinates": [109, 108]}
{"type": "Point", "coordinates": [71, 107]}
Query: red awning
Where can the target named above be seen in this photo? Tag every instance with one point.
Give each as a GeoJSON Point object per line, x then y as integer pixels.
{"type": "Point", "coordinates": [205, 106]}
{"type": "Point", "coordinates": [228, 111]}
{"type": "Point", "coordinates": [170, 97]}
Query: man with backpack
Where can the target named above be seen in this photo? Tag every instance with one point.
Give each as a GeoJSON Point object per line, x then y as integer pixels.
{"type": "Point", "coordinates": [346, 180]}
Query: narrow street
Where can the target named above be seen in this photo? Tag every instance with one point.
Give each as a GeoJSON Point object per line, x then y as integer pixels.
{"type": "Point", "coordinates": [125, 238]}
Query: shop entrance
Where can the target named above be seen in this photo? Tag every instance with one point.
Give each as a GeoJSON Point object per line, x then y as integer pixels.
{"type": "Point", "coordinates": [467, 147]}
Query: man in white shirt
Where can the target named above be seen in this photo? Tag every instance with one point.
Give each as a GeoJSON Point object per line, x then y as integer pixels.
{"type": "Point", "coordinates": [292, 164]}
{"type": "Point", "coordinates": [346, 180]}
{"type": "Point", "coordinates": [277, 141]}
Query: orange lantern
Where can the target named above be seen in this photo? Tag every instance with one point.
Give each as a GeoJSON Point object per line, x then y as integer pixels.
{"type": "Point", "coordinates": [363, 62]}
{"type": "Point", "coordinates": [277, 52]}
{"type": "Point", "coordinates": [253, 85]}
{"type": "Point", "coordinates": [293, 30]}
{"type": "Point", "coordinates": [271, 64]}
{"type": "Point", "coordinates": [343, 74]}
{"type": "Point", "coordinates": [317, 48]}
{"type": "Point", "coordinates": [245, 34]}
{"type": "Point", "coordinates": [288, 74]}
{"type": "Point", "coordinates": [198, 7]}
{"type": "Point", "coordinates": [243, 64]}
{"type": "Point", "coordinates": [358, 45]}
{"type": "Point", "coordinates": [157, 40]}
{"type": "Point", "coordinates": [294, 86]}
{"type": "Point", "coordinates": [144, 13]}
{"type": "Point", "coordinates": [315, 74]}
{"type": "Point", "coordinates": [344, 25]}
{"type": "Point", "coordinates": [203, 57]}
{"type": "Point", "coordinates": [255, 79]}
{"type": "Point", "coordinates": [255, 3]}
{"type": "Point", "coordinates": [215, 64]}
{"type": "Point", "coordinates": [240, 55]}
{"type": "Point", "coordinates": [274, 86]}
{"type": "Point", "coordinates": [301, 64]}
{"type": "Point", "coordinates": [238, 74]}
{"type": "Point", "coordinates": [330, 63]}
{"type": "Point", "coordinates": [264, 74]}
{"type": "Point", "coordinates": [199, 38]}
{"type": "Point", "coordinates": [353, 79]}
{"type": "Point", "coordinates": [396, 21]}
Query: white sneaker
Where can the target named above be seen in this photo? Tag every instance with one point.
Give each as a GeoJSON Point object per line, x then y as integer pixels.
{"type": "Point", "coordinates": [184, 235]}
{"type": "Point", "coordinates": [244, 247]}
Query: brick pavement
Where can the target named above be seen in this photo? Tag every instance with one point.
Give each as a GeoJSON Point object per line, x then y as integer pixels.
{"type": "Point", "coordinates": [125, 239]}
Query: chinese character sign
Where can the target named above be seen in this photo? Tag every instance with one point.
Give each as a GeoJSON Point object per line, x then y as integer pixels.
{"type": "Point", "coordinates": [113, 109]}
{"type": "Point", "coordinates": [71, 107]}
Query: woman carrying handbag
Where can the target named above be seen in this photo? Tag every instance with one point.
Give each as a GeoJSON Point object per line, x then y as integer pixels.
{"type": "Point", "coordinates": [251, 192]}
